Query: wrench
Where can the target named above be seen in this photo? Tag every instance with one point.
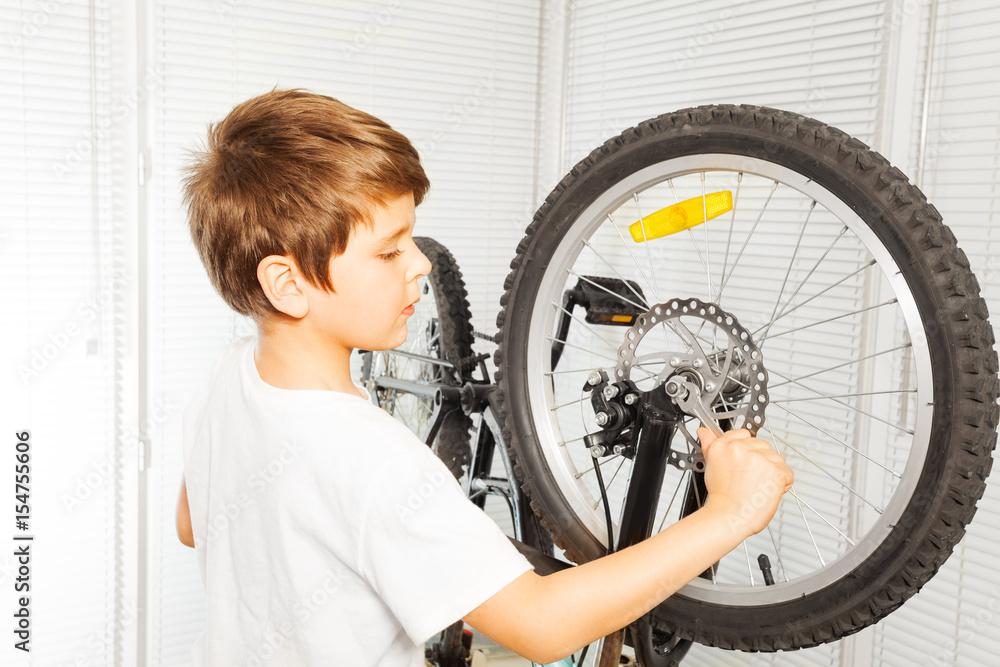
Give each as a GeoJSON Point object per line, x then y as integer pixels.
{"type": "Point", "coordinates": [687, 396]}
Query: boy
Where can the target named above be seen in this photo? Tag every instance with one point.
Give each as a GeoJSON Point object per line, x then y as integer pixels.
{"type": "Point", "coordinates": [302, 210]}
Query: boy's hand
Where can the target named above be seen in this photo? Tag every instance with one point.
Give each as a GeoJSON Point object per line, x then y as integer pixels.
{"type": "Point", "coordinates": [548, 618]}
{"type": "Point", "coordinates": [745, 478]}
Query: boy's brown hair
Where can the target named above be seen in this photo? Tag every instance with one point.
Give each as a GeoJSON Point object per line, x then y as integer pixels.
{"type": "Point", "coordinates": [290, 173]}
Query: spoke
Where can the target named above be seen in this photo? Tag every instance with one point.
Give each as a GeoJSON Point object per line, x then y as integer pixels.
{"type": "Point", "coordinates": [669, 324]}
{"type": "Point", "coordinates": [831, 368]}
{"type": "Point", "coordinates": [631, 254]}
{"type": "Point", "coordinates": [575, 370]}
{"type": "Point", "coordinates": [605, 289]}
{"type": "Point", "coordinates": [691, 236]}
{"type": "Point", "coordinates": [566, 442]}
{"type": "Point", "coordinates": [617, 273]}
{"type": "Point", "coordinates": [860, 393]}
{"type": "Point", "coordinates": [749, 566]}
{"type": "Point", "coordinates": [582, 398]}
{"type": "Point", "coordinates": [701, 258]}
{"type": "Point", "coordinates": [729, 240]}
{"type": "Point", "coordinates": [697, 335]}
{"type": "Point", "coordinates": [648, 374]}
{"type": "Point", "coordinates": [831, 319]}
{"type": "Point", "coordinates": [649, 257]}
{"type": "Point", "coordinates": [795, 254]}
{"type": "Point", "coordinates": [694, 348]}
{"type": "Point", "coordinates": [747, 240]}
{"type": "Point", "coordinates": [827, 473]}
{"type": "Point", "coordinates": [812, 538]}
{"type": "Point", "coordinates": [850, 407]}
{"type": "Point", "coordinates": [814, 296]}
{"type": "Point", "coordinates": [589, 327]}
{"type": "Point", "coordinates": [582, 349]}
{"type": "Point", "coordinates": [666, 323]}
{"type": "Point", "coordinates": [677, 488]}
{"type": "Point", "coordinates": [745, 386]}
{"type": "Point", "coordinates": [619, 296]}
{"type": "Point", "coordinates": [413, 344]}
{"type": "Point", "coordinates": [402, 416]}
{"type": "Point", "coordinates": [645, 243]}
{"type": "Point", "coordinates": [708, 243]}
{"type": "Point", "coordinates": [725, 403]}
{"type": "Point", "coordinates": [847, 405]}
{"type": "Point", "coordinates": [591, 468]}
{"type": "Point", "coordinates": [610, 482]}
{"type": "Point", "coordinates": [839, 441]}
{"type": "Point", "coordinates": [658, 360]}
{"type": "Point", "coordinates": [802, 283]}
{"type": "Point", "coordinates": [433, 341]}
{"type": "Point", "coordinates": [822, 518]}
{"type": "Point", "coordinates": [777, 552]}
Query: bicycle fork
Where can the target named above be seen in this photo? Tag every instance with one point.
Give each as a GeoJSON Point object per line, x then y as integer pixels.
{"type": "Point", "coordinates": [655, 430]}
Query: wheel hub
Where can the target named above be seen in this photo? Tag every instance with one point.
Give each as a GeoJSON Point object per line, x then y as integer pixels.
{"type": "Point", "coordinates": [697, 341]}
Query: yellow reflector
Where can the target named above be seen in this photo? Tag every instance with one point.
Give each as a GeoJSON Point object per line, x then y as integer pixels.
{"type": "Point", "coordinates": [681, 216]}
{"type": "Point", "coordinates": [615, 318]}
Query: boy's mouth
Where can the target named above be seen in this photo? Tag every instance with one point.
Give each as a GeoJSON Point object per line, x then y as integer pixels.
{"type": "Point", "coordinates": [409, 309]}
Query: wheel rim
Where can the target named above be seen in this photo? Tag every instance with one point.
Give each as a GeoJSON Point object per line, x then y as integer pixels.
{"type": "Point", "coordinates": [423, 337]}
{"type": "Point", "coordinates": [874, 484]}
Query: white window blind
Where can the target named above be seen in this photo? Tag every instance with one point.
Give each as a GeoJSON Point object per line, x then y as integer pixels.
{"type": "Point", "coordinates": [955, 620]}
{"type": "Point", "coordinates": [67, 377]}
{"type": "Point", "coordinates": [458, 79]}
{"type": "Point", "coordinates": [630, 61]}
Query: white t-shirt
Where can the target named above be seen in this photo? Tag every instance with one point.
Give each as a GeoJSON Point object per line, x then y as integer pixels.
{"type": "Point", "coordinates": [326, 532]}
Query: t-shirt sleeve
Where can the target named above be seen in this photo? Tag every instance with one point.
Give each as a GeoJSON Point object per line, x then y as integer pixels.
{"type": "Point", "coordinates": [430, 553]}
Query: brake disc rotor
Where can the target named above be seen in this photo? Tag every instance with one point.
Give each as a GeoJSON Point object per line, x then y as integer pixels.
{"type": "Point", "coordinates": [706, 345]}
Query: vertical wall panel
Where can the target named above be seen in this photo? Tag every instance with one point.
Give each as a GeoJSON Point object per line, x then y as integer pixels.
{"type": "Point", "coordinates": [63, 266]}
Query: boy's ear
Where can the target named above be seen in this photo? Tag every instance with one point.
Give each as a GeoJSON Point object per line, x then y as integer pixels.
{"type": "Point", "coordinates": [283, 283]}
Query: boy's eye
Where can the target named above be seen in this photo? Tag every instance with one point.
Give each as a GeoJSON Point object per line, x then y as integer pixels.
{"type": "Point", "coordinates": [389, 256]}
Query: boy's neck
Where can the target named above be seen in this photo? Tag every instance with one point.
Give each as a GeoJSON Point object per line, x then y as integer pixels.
{"type": "Point", "coordinates": [292, 357]}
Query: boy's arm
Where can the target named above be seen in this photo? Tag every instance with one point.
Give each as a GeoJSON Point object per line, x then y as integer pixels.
{"type": "Point", "coordinates": [184, 531]}
{"type": "Point", "coordinates": [548, 618]}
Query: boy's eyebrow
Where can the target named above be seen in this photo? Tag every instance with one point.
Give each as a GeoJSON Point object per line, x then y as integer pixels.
{"type": "Point", "coordinates": [395, 236]}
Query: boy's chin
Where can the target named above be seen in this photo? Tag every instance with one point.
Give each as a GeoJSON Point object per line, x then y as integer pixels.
{"type": "Point", "coordinates": [382, 346]}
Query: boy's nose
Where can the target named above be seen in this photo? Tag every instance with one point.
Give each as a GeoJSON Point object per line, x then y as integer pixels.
{"type": "Point", "coordinates": [421, 265]}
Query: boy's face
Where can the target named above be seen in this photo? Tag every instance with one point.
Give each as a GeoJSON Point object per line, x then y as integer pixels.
{"type": "Point", "coordinates": [375, 282]}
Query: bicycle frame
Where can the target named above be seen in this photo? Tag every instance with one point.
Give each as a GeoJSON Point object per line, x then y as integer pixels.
{"type": "Point", "coordinates": [474, 397]}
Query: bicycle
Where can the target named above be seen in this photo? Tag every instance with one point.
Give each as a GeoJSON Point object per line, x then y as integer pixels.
{"type": "Point", "coordinates": [891, 441]}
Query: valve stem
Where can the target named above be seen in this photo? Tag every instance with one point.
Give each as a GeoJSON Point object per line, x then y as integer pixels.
{"type": "Point", "coordinates": [765, 569]}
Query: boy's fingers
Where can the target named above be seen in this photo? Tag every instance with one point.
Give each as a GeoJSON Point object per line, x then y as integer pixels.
{"type": "Point", "coordinates": [706, 437]}
{"type": "Point", "coordinates": [774, 457]}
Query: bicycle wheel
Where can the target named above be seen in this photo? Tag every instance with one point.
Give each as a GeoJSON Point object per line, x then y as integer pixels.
{"type": "Point", "coordinates": [822, 288]}
{"type": "Point", "coordinates": [440, 327]}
